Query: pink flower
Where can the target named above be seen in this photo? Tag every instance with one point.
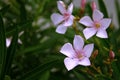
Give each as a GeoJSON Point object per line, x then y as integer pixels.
{"type": "Point", "coordinates": [76, 54]}
{"type": "Point", "coordinates": [98, 25]}
{"type": "Point", "coordinates": [63, 20]}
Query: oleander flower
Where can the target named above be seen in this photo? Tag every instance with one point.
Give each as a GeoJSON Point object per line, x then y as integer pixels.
{"type": "Point", "coordinates": [63, 20]}
{"type": "Point", "coordinates": [98, 26]}
{"type": "Point", "coordinates": [78, 54]}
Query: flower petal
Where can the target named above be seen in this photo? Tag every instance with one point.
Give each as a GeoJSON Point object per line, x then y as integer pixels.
{"type": "Point", "coordinates": [8, 42]}
{"type": "Point", "coordinates": [85, 62]}
{"type": "Point", "coordinates": [97, 15]}
{"type": "Point", "coordinates": [68, 50]}
{"type": "Point", "coordinates": [78, 43]}
{"type": "Point", "coordinates": [69, 22]}
{"type": "Point", "coordinates": [105, 23]}
{"type": "Point", "coordinates": [61, 29]}
{"type": "Point", "coordinates": [102, 33]}
{"type": "Point", "coordinates": [61, 7]}
{"type": "Point", "coordinates": [56, 18]}
{"type": "Point", "coordinates": [70, 8]}
{"type": "Point", "coordinates": [88, 49]}
{"type": "Point", "coordinates": [70, 63]}
{"type": "Point", "coordinates": [89, 32]}
{"type": "Point", "coordinates": [86, 21]}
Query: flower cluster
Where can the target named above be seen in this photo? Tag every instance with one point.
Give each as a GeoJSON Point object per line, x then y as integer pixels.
{"type": "Point", "coordinates": [78, 54]}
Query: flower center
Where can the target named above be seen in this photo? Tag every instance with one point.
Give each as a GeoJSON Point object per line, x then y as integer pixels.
{"type": "Point", "coordinates": [80, 56]}
{"type": "Point", "coordinates": [97, 25]}
{"type": "Point", "coordinates": [66, 16]}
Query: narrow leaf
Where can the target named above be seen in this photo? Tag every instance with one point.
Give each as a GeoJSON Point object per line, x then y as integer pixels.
{"type": "Point", "coordinates": [11, 52]}
{"type": "Point", "coordinates": [2, 49]}
{"type": "Point", "coordinates": [103, 7]}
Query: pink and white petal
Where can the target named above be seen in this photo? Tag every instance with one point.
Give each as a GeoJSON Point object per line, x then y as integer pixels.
{"type": "Point", "coordinates": [70, 8]}
{"type": "Point", "coordinates": [97, 15]}
{"type": "Point", "coordinates": [68, 50]}
{"type": "Point", "coordinates": [102, 33]}
{"type": "Point", "coordinates": [85, 62]}
{"type": "Point", "coordinates": [105, 23]}
{"type": "Point", "coordinates": [69, 22]}
{"type": "Point", "coordinates": [70, 63]}
{"type": "Point", "coordinates": [78, 43]}
{"type": "Point", "coordinates": [61, 29]}
{"type": "Point", "coordinates": [88, 50]}
{"type": "Point", "coordinates": [61, 7]}
{"type": "Point", "coordinates": [56, 18]}
{"type": "Point", "coordinates": [86, 21]}
{"type": "Point", "coordinates": [8, 42]}
{"type": "Point", "coordinates": [89, 32]}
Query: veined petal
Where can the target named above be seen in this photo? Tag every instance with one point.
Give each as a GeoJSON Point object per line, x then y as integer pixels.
{"type": "Point", "coordinates": [85, 62]}
{"type": "Point", "coordinates": [56, 18]}
{"type": "Point", "coordinates": [68, 50]}
{"type": "Point", "coordinates": [69, 22]}
{"type": "Point", "coordinates": [61, 29]}
{"type": "Point", "coordinates": [88, 50]}
{"type": "Point", "coordinates": [89, 32]}
{"type": "Point", "coordinates": [97, 15]}
{"type": "Point", "coordinates": [102, 33]}
{"type": "Point", "coordinates": [105, 23]}
{"type": "Point", "coordinates": [70, 63]}
{"type": "Point", "coordinates": [78, 43]}
{"type": "Point", "coordinates": [61, 7]}
{"type": "Point", "coordinates": [86, 21]}
{"type": "Point", "coordinates": [70, 8]}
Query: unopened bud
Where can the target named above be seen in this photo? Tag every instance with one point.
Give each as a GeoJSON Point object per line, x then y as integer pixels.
{"type": "Point", "coordinates": [83, 3]}
{"type": "Point", "coordinates": [111, 55]}
{"type": "Point", "coordinates": [95, 53]}
{"type": "Point", "coordinates": [93, 5]}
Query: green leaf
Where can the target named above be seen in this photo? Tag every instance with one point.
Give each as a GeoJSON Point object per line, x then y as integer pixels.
{"type": "Point", "coordinates": [45, 76]}
{"type": "Point", "coordinates": [117, 10]}
{"type": "Point", "coordinates": [103, 7]}
{"type": "Point", "coordinates": [11, 52]}
{"type": "Point", "coordinates": [2, 49]}
{"type": "Point", "coordinates": [4, 9]}
{"type": "Point", "coordinates": [33, 74]}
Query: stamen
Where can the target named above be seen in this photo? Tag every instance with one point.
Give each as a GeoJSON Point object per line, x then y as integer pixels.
{"type": "Point", "coordinates": [97, 25]}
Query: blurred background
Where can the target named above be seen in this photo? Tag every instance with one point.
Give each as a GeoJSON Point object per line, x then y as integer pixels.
{"type": "Point", "coordinates": [33, 52]}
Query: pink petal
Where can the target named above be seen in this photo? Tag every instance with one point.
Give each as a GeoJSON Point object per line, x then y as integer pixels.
{"type": "Point", "coordinates": [19, 41]}
{"type": "Point", "coordinates": [61, 29]}
{"type": "Point", "coordinates": [88, 49]}
{"type": "Point", "coordinates": [102, 33]}
{"type": "Point", "coordinates": [70, 63]}
{"type": "Point", "coordinates": [8, 42]}
{"type": "Point", "coordinates": [78, 43]}
{"type": "Point", "coordinates": [85, 62]}
{"type": "Point", "coordinates": [97, 15]}
{"type": "Point", "coordinates": [68, 50]}
{"type": "Point", "coordinates": [105, 23]}
{"type": "Point", "coordinates": [89, 32]}
{"type": "Point", "coordinates": [56, 18]}
{"type": "Point", "coordinates": [86, 21]}
{"type": "Point", "coordinates": [70, 8]}
{"type": "Point", "coordinates": [69, 22]}
{"type": "Point", "coordinates": [61, 7]}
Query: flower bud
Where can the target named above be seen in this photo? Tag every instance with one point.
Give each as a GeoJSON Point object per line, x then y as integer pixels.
{"type": "Point", "coordinates": [111, 55]}
{"type": "Point", "coordinates": [94, 55]}
{"type": "Point", "coordinates": [93, 5]}
{"type": "Point", "coordinates": [83, 3]}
